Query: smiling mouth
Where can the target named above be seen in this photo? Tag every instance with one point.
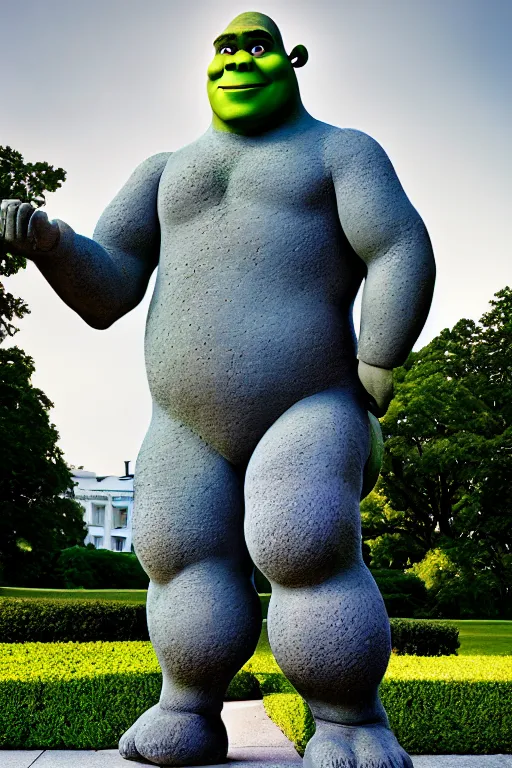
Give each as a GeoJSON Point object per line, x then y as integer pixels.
{"type": "Point", "coordinates": [240, 87]}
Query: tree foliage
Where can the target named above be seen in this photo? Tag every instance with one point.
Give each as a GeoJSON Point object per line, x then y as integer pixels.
{"type": "Point", "coordinates": [38, 519]}
{"type": "Point", "coordinates": [448, 460]}
{"type": "Point", "coordinates": [27, 182]}
{"type": "Point", "coordinates": [386, 534]}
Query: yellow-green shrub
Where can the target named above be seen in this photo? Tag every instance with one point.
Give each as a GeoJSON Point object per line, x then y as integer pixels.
{"type": "Point", "coordinates": [293, 716]}
{"type": "Point", "coordinates": [74, 694]}
{"type": "Point", "coordinates": [435, 705]}
{"type": "Point", "coordinates": [87, 694]}
{"type": "Point", "coordinates": [82, 694]}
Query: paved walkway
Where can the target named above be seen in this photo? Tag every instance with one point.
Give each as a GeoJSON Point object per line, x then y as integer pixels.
{"type": "Point", "coordinates": [255, 742]}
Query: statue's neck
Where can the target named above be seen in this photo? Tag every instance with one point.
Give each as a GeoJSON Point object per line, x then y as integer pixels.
{"type": "Point", "coordinates": [285, 119]}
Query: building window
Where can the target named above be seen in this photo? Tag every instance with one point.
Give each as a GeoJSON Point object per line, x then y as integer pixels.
{"type": "Point", "coordinates": [117, 544]}
{"type": "Point", "coordinates": [120, 515]}
{"type": "Point", "coordinates": [98, 514]}
{"type": "Point", "coordinates": [97, 541]}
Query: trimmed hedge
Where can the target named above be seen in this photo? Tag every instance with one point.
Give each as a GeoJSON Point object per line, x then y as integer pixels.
{"type": "Point", "coordinates": [25, 620]}
{"type": "Point", "coordinates": [264, 601]}
{"type": "Point", "coordinates": [293, 716]}
{"type": "Point", "coordinates": [435, 706]}
{"type": "Point", "coordinates": [48, 621]}
{"type": "Point", "coordinates": [74, 695]}
{"type": "Point", "coordinates": [85, 695]}
{"type": "Point", "coordinates": [99, 569]}
{"type": "Point", "coordinates": [419, 637]}
{"type": "Point", "coordinates": [82, 695]}
{"type": "Point", "coordinates": [244, 687]}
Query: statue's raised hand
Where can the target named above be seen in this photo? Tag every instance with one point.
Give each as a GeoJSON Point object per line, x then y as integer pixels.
{"type": "Point", "coordinates": [378, 382]}
{"type": "Point", "coordinates": [25, 230]}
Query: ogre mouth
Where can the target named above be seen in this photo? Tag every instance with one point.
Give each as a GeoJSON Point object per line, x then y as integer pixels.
{"type": "Point", "coordinates": [240, 87]}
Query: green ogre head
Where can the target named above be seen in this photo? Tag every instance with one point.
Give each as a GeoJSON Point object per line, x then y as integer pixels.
{"type": "Point", "coordinates": [251, 81]}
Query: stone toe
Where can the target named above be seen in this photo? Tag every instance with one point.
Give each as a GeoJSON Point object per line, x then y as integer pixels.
{"type": "Point", "coordinates": [362, 746]}
{"type": "Point", "coordinates": [127, 748]}
{"type": "Point", "coordinates": [329, 753]}
{"type": "Point", "coordinates": [182, 739]}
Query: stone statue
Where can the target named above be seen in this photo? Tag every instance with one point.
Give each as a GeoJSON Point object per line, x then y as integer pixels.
{"type": "Point", "coordinates": [263, 230]}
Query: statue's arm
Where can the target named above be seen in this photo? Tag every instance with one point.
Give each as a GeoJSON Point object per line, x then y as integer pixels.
{"type": "Point", "coordinates": [387, 233]}
{"type": "Point", "coordinates": [104, 278]}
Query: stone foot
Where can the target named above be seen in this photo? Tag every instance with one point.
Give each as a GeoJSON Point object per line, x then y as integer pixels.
{"type": "Point", "coordinates": [165, 737]}
{"type": "Point", "coordinates": [354, 746]}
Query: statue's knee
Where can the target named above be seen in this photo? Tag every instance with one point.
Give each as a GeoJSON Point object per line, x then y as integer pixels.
{"type": "Point", "coordinates": [300, 535]}
{"type": "Point", "coordinates": [166, 551]}
{"type": "Point", "coordinates": [289, 562]}
{"type": "Point", "coordinates": [156, 556]}
{"type": "Point", "coordinates": [168, 544]}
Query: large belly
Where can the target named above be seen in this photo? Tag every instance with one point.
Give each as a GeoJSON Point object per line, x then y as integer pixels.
{"type": "Point", "coordinates": [239, 329]}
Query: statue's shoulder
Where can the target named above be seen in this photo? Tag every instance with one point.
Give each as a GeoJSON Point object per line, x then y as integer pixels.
{"type": "Point", "coordinates": [349, 146]}
{"type": "Point", "coordinates": [154, 163]}
{"type": "Point", "coordinates": [150, 170]}
{"type": "Point", "coordinates": [199, 146]}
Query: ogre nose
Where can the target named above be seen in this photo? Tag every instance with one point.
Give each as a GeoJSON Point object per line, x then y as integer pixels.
{"type": "Point", "coordinates": [240, 62]}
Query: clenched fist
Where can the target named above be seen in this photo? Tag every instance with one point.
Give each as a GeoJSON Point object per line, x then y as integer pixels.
{"type": "Point", "coordinates": [25, 230]}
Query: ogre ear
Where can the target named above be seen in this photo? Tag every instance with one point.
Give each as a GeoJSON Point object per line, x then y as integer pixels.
{"type": "Point", "coordinates": [298, 56]}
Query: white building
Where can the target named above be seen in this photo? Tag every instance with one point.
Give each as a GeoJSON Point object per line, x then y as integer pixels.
{"type": "Point", "coordinates": [108, 506]}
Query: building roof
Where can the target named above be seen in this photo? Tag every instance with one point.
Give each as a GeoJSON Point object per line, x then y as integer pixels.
{"type": "Point", "coordinates": [89, 481]}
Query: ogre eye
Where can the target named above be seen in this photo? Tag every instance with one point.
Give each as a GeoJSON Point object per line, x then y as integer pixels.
{"type": "Point", "coordinates": [227, 50]}
{"type": "Point", "coordinates": [258, 50]}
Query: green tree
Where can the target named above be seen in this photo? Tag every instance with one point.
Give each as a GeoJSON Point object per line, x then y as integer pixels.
{"type": "Point", "coordinates": [390, 541]}
{"type": "Point", "coordinates": [454, 589]}
{"type": "Point", "coordinates": [448, 456]}
{"type": "Point", "coordinates": [38, 517]}
{"type": "Point", "coordinates": [27, 182]}
{"type": "Point", "coordinates": [36, 521]}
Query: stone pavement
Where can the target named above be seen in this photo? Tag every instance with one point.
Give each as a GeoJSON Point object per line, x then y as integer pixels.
{"type": "Point", "coordinates": [255, 742]}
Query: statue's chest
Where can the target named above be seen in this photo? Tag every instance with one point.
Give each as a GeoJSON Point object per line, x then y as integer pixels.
{"type": "Point", "coordinates": [208, 181]}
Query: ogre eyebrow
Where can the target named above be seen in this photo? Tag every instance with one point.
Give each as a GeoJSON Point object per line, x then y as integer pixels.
{"type": "Point", "coordinates": [229, 37]}
{"type": "Point", "coordinates": [224, 39]}
{"type": "Point", "coordinates": [260, 33]}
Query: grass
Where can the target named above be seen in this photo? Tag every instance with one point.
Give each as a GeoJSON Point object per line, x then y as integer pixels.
{"type": "Point", "coordinates": [484, 638]}
{"type": "Point", "coordinates": [123, 595]}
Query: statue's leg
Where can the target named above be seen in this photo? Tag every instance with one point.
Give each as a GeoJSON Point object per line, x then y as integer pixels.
{"type": "Point", "coordinates": [327, 622]}
{"type": "Point", "coordinates": [204, 615]}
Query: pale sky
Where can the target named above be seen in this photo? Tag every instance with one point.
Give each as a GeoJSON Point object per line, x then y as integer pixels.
{"type": "Point", "coordinates": [96, 87]}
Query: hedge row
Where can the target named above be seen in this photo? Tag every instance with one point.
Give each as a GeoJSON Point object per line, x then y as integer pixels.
{"type": "Point", "coordinates": [25, 620]}
{"type": "Point", "coordinates": [98, 569]}
{"type": "Point", "coordinates": [48, 621]}
{"type": "Point", "coordinates": [435, 706]}
{"type": "Point", "coordinates": [85, 695]}
{"type": "Point", "coordinates": [82, 695]}
{"type": "Point", "coordinates": [419, 637]}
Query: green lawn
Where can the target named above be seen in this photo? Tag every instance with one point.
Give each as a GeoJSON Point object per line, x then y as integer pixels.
{"type": "Point", "coordinates": [123, 595]}
{"type": "Point", "coordinates": [487, 638]}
